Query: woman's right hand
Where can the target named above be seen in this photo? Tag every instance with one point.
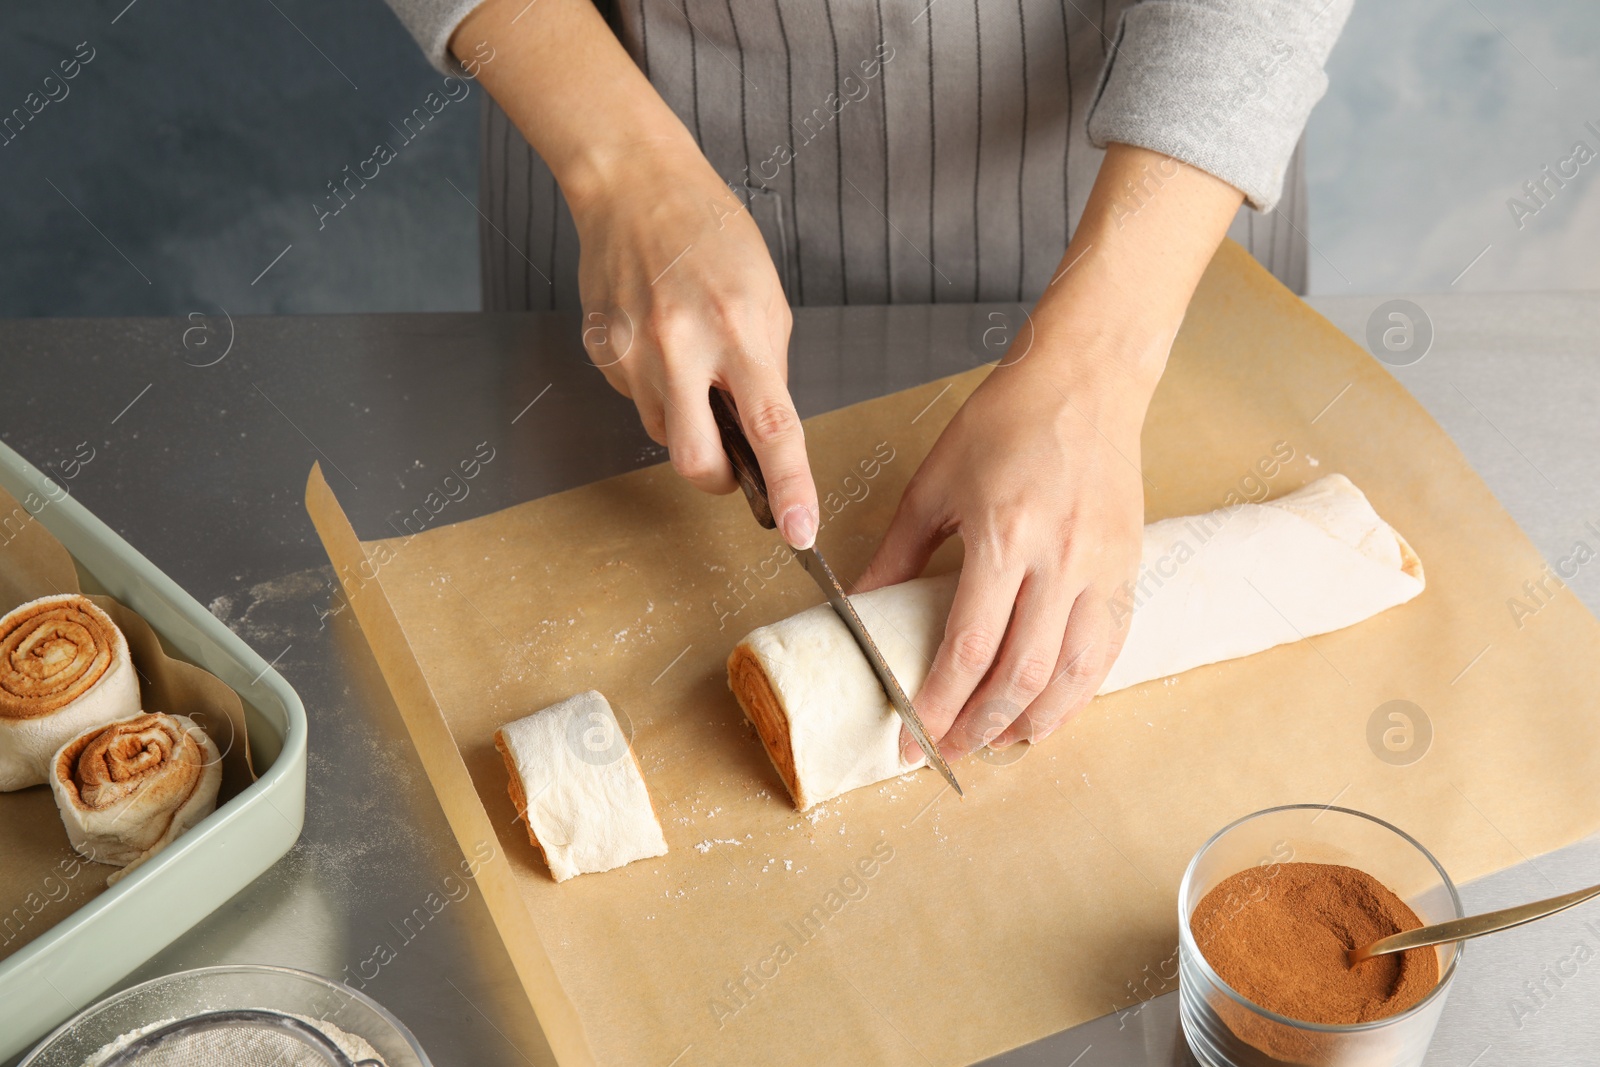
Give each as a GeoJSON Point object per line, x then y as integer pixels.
{"type": "Point", "coordinates": [680, 295]}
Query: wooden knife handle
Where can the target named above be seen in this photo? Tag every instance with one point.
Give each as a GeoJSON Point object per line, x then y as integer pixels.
{"type": "Point", "coordinates": [745, 465]}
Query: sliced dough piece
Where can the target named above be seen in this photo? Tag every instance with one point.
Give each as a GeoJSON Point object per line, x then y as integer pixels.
{"type": "Point", "coordinates": [129, 789]}
{"type": "Point", "coordinates": [1212, 587]}
{"type": "Point", "coordinates": [64, 668]}
{"type": "Point", "coordinates": [814, 699]}
{"type": "Point", "coordinates": [576, 783]}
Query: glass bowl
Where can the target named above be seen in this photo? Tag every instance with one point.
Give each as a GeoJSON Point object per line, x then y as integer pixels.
{"type": "Point", "coordinates": [177, 996]}
{"type": "Point", "coordinates": [1223, 1028]}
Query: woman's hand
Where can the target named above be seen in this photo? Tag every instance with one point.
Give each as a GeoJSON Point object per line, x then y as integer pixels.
{"type": "Point", "coordinates": [679, 292]}
{"type": "Point", "coordinates": [1039, 472]}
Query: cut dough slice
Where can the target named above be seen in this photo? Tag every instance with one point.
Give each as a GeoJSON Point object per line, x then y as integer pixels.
{"type": "Point", "coordinates": [575, 781]}
{"type": "Point", "coordinates": [812, 695]}
{"type": "Point", "coordinates": [64, 668]}
{"type": "Point", "coordinates": [1211, 587]}
{"type": "Point", "coordinates": [129, 789]}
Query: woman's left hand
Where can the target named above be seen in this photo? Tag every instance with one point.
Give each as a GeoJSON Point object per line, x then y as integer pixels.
{"type": "Point", "coordinates": [1039, 473]}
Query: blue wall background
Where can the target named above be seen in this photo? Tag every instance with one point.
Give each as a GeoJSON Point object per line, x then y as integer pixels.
{"type": "Point", "coordinates": [1439, 111]}
{"type": "Point", "coordinates": [197, 141]}
{"type": "Point", "coordinates": [187, 155]}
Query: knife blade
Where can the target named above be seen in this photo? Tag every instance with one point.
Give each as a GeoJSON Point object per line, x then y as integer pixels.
{"type": "Point", "coordinates": [822, 574]}
{"type": "Point", "coordinates": [748, 470]}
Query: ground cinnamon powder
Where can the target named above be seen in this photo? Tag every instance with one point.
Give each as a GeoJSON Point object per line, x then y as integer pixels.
{"type": "Point", "coordinates": [1278, 936]}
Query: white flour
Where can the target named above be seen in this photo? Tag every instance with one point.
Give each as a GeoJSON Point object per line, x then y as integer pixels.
{"type": "Point", "coordinates": [355, 1048]}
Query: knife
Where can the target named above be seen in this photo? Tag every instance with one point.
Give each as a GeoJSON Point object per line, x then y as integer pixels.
{"type": "Point", "coordinates": [748, 470]}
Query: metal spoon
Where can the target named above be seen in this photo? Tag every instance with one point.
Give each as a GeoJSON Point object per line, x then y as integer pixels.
{"type": "Point", "coordinates": [1471, 926]}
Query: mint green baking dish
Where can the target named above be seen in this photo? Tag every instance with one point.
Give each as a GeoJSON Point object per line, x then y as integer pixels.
{"type": "Point", "coordinates": [64, 970]}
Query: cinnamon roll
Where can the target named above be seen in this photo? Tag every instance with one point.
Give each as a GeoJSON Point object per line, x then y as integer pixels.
{"type": "Point", "coordinates": [64, 667]}
{"type": "Point", "coordinates": [128, 789]}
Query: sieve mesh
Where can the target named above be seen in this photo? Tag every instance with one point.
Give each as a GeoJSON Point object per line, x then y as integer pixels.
{"type": "Point", "coordinates": [236, 1038]}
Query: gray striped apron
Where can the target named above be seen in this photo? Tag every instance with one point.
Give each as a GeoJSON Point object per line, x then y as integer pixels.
{"type": "Point", "coordinates": [895, 151]}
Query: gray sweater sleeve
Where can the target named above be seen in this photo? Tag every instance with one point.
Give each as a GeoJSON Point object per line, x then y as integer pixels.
{"type": "Point", "coordinates": [1223, 85]}
{"type": "Point", "coordinates": [432, 22]}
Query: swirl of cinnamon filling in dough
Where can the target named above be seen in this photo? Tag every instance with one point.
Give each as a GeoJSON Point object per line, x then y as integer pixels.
{"type": "Point", "coordinates": [127, 790]}
{"type": "Point", "coordinates": [64, 667]}
{"type": "Point", "coordinates": [52, 651]}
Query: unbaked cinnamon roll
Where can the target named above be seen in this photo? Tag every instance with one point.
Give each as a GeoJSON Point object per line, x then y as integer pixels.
{"type": "Point", "coordinates": [127, 790]}
{"type": "Point", "coordinates": [64, 667]}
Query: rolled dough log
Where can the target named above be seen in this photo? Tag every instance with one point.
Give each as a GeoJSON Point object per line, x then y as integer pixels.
{"type": "Point", "coordinates": [1211, 587]}
{"type": "Point", "coordinates": [575, 781]}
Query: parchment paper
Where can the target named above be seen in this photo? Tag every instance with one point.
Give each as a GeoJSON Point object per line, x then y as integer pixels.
{"type": "Point", "coordinates": [898, 924]}
{"type": "Point", "coordinates": [42, 880]}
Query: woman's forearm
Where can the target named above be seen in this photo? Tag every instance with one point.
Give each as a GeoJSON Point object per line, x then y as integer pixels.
{"type": "Point", "coordinates": [566, 82]}
{"type": "Point", "coordinates": [1150, 227]}
{"type": "Point", "coordinates": [679, 292]}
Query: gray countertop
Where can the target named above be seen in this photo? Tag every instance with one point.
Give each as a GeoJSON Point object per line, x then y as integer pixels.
{"type": "Point", "coordinates": [202, 468]}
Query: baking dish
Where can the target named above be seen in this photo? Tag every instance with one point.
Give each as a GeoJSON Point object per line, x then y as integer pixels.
{"type": "Point", "coordinates": [68, 967]}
